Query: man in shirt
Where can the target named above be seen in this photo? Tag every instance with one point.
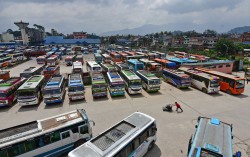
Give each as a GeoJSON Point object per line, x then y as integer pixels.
{"type": "Point", "coordinates": [178, 106]}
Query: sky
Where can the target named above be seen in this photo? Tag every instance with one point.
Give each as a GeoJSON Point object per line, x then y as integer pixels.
{"type": "Point", "coordinates": [98, 16]}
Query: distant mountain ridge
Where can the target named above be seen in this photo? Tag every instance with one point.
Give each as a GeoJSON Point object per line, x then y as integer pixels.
{"type": "Point", "coordinates": [240, 30]}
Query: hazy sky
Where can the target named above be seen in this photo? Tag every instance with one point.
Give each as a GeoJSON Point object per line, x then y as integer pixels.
{"type": "Point", "coordinates": [97, 16]}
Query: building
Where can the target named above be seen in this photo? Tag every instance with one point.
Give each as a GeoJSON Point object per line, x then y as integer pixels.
{"type": "Point", "coordinates": [196, 43]}
{"type": "Point", "coordinates": [210, 42]}
{"type": "Point", "coordinates": [60, 40]}
{"type": "Point", "coordinates": [79, 35]}
{"type": "Point", "coordinates": [7, 37]}
{"type": "Point", "coordinates": [246, 37]}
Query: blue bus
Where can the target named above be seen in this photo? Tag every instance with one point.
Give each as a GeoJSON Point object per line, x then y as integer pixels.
{"type": "Point", "coordinates": [177, 78]}
{"type": "Point", "coordinates": [213, 138]}
{"type": "Point", "coordinates": [135, 65]}
{"type": "Point", "coordinates": [76, 88]}
{"type": "Point", "coordinates": [54, 90]}
{"type": "Point", "coordinates": [116, 84]}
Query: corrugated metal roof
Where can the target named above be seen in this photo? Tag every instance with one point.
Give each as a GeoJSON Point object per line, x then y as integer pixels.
{"type": "Point", "coordinates": [61, 40]}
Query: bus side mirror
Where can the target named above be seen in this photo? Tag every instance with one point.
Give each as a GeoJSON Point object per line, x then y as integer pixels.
{"type": "Point", "coordinates": [92, 122]}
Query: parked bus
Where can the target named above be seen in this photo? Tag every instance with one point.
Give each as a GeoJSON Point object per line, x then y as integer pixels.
{"type": "Point", "coordinates": [30, 93]}
{"type": "Point", "coordinates": [76, 89]}
{"type": "Point", "coordinates": [135, 65]}
{"type": "Point", "coordinates": [50, 71]}
{"type": "Point", "coordinates": [137, 57]}
{"type": "Point", "coordinates": [8, 90]}
{"type": "Point", "coordinates": [70, 59]}
{"type": "Point", "coordinates": [53, 60]}
{"type": "Point", "coordinates": [4, 75]}
{"type": "Point", "coordinates": [52, 136]}
{"type": "Point", "coordinates": [207, 83]}
{"type": "Point", "coordinates": [79, 58]}
{"type": "Point", "coordinates": [98, 58]}
{"type": "Point", "coordinates": [121, 66]}
{"type": "Point", "coordinates": [41, 60]}
{"type": "Point", "coordinates": [165, 63]}
{"type": "Point", "coordinates": [177, 78]}
{"type": "Point", "coordinates": [54, 91]}
{"type": "Point", "coordinates": [31, 71]}
{"type": "Point", "coordinates": [133, 136]}
{"type": "Point", "coordinates": [150, 82]}
{"type": "Point", "coordinates": [161, 55]}
{"type": "Point", "coordinates": [132, 82]}
{"type": "Point", "coordinates": [115, 84]}
{"type": "Point", "coordinates": [107, 67]}
{"type": "Point", "coordinates": [77, 67]}
{"type": "Point", "coordinates": [151, 56]}
{"type": "Point", "coordinates": [5, 61]}
{"type": "Point", "coordinates": [123, 56]}
{"type": "Point", "coordinates": [228, 83]}
{"type": "Point", "coordinates": [16, 57]}
{"type": "Point", "coordinates": [115, 57]}
{"type": "Point", "coordinates": [99, 86]}
{"type": "Point", "coordinates": [153, 66]}
{"type": "Point", "coordinates": [93, 67]}
{"type": "Point", "coordinates": [106, 58]}
{"type": "Point", "coordinates": [213, 138]}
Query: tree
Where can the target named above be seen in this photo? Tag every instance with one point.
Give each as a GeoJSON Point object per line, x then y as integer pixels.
{"type": "Point", "coordinates": [210, 33]}
{"type": "Point", "coordinates": [225, 46]}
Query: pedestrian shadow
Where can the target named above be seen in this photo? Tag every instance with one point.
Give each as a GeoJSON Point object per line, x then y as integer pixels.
{"type": "Point", "coordinates": [28, 108]}
{"type": "Point", "coordinates": [155, 152]}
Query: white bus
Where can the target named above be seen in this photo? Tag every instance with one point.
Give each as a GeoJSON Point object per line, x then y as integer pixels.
{"type": "Point", "coordinates": [131, 137]}
{"type": "Point", "coordinates": [205, 82]}
{"type": "Point", "coordinates": [132, 82]}
{"type": "Point", "coordinates": [47, 137]}
{"type": "Point", "coordinates": [77, 67]}
{"type": "Point", "coordinates": [93, 67]}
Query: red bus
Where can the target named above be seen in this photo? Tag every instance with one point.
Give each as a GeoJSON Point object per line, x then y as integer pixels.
{"type": "Point", "coordinates": [51, 70]}
{"type": "Point", "coordinates": [130, 53]}
{"type": "Point", "coordinates": [53, 60]}
{"type": "Point", "coordinates": [228, 83]}
{"type": "Point", "coordinates": [115, 57]}
{"type": "Point", "coordinates": [70, 59]}
{"type": "Point", "coordinates": [41, 59]}
{"type": "Point", "coordinates": [8, 90]}
{"type": "Point", "coordinates": [123, 56]}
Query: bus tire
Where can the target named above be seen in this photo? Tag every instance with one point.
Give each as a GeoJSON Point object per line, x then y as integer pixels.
{"type": "Point", "coordinates": [178, 86]}
{"type": "Point", "coordinates": [151, 145]}
{"type": "Point", "coordinates": [204, 90]}
{"type": "Point", "coordinates": [229, 91]}
{"type": "Point", "coordinates": [78, 143]}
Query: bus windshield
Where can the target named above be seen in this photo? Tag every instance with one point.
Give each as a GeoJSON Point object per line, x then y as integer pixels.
{"type": "Point", "coordinates": [185, 80]}
{"type": "Point", "coordinates": [121, 85]}
{"type": "Point", "coordinates": [139, 67]}
{"type": "Point", "coordinates": [154, 82]}
{"type": "Point", "coordinates": [214, 83]}
{"type": "Point", "coordinates": [240, 84]}
{"type": "Point", "coordinates": [135, 82]}
{"type": "Point", "coordinates": [52, 91]}
{"type": "Point", "coordinates": [76, 88]}
{"type": "Point", "coordinates": [3, 95]}
{"type": "Point", "coordinates": [26, 93]}
{"type": "Point", "coordinates": [96, 68]}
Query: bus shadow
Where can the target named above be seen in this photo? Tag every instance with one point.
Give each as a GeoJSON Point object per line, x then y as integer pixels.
{"type": "Point", "coordinates": [6, 108]}
{"type": "Point", "coordinates": [155, 152]}
{"type": "Point", "coordinates": [77, 102]}
{"type": "Point", "coordinates": [155, 93]}
{"type": "Point", "coordinates": [241, 96]}
{"type": "Point", "coordinates": [186, 89]}
{"type": "Point", "coordinates": [28, 108]}
{"type": "Point", "coordinates": [136, 96]}
{"type": "Point", "coordinates": [119, 97]}
{"type": "Point", "coordinates": [100, 99]}
{"type": "Point", "coordinates": [55, 105]}
{"type": "Point", "coordinates": [216, 95]}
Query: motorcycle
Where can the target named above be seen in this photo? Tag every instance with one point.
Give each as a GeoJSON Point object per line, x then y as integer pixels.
{"type": "Point", "coordinates": [168, 108]}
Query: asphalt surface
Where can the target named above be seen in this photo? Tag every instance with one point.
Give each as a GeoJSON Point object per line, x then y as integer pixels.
{"type": "Point", "coordinates": [174, 129]}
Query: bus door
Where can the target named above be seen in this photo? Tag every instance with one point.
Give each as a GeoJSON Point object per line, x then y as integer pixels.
{"type": "Point", "coordinates": [65, 137]}
{"type": "Point", "coordinates": [84, 129]}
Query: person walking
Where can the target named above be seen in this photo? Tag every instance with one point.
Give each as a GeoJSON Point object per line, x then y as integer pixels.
{"type": "Point", "coordinates": [178, 106]}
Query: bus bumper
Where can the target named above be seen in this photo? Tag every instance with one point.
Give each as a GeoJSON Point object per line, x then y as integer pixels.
{"type": "Point", "coordinates": [47, 101]}
{"type": "Point", "coordinates": [117, 93]}
{"type": "Point", "coordinates": [96, 95]}
{"type": "Point", "coordinates": [78, 97]}
{"type": "Point", "coordinates": [134, 91]}
{"type": "Point", "coordinates": [28, 102]}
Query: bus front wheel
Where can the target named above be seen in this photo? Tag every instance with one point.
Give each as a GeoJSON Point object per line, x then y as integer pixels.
{"type": "Point", "coordinates": [204, 90]}
{"type": "Point", "coordinates": [151, 145]}
{"type": "Point", "coordinates": [229, 91]}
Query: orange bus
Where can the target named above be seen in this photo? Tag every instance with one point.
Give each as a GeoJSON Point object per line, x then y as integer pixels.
{"type": "Point", "coordinates": [123, 56]}
{"type": "Point", "coordinates": [228, 83]}
{"type": "Point", "coordinates": [130, 53]}
{"type": "Point", "coordinates": [115, 57]}
{"type": "Point", "coordinates": [165, 63]}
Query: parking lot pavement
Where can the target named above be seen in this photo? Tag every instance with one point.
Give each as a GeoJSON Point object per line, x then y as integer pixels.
{"type": "Point", "coordinates": [174, 129]}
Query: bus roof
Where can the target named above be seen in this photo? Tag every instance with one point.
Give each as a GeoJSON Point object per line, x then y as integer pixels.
{"type": "Point", "coordinates": [176, 72]}
{"type": "Point", "coordinates": [130, 74]}
{"type": "Point", "coordinates": [106, 55]}
{"type": "Point", "coordinates": [134, 61]}
{"type": "Point", "coordinates": [114, 77]}
{"type": "Point", "coordinates": [32, 82]}
{"type": "Point", "coordinates": [9, 83]}
{"type": "Point", "coordinates": [97, 79]}
{"type": "Point", "coordinates": [54, 81]}
{"type": "Point", "coordinates": [148, 74]}
{"type": "Point", "coordinates": [31, 129]}
{"type": "Point", "coordinates": [75, 79]}
{"type": "Point", "coordinates": [214, 135]}
{"type": "Point", "coordinates": [220, 74]}
{"type": "Point", "coordinates": [199, 73]}
{"type": "Point", "coordinates": [112, 140]}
